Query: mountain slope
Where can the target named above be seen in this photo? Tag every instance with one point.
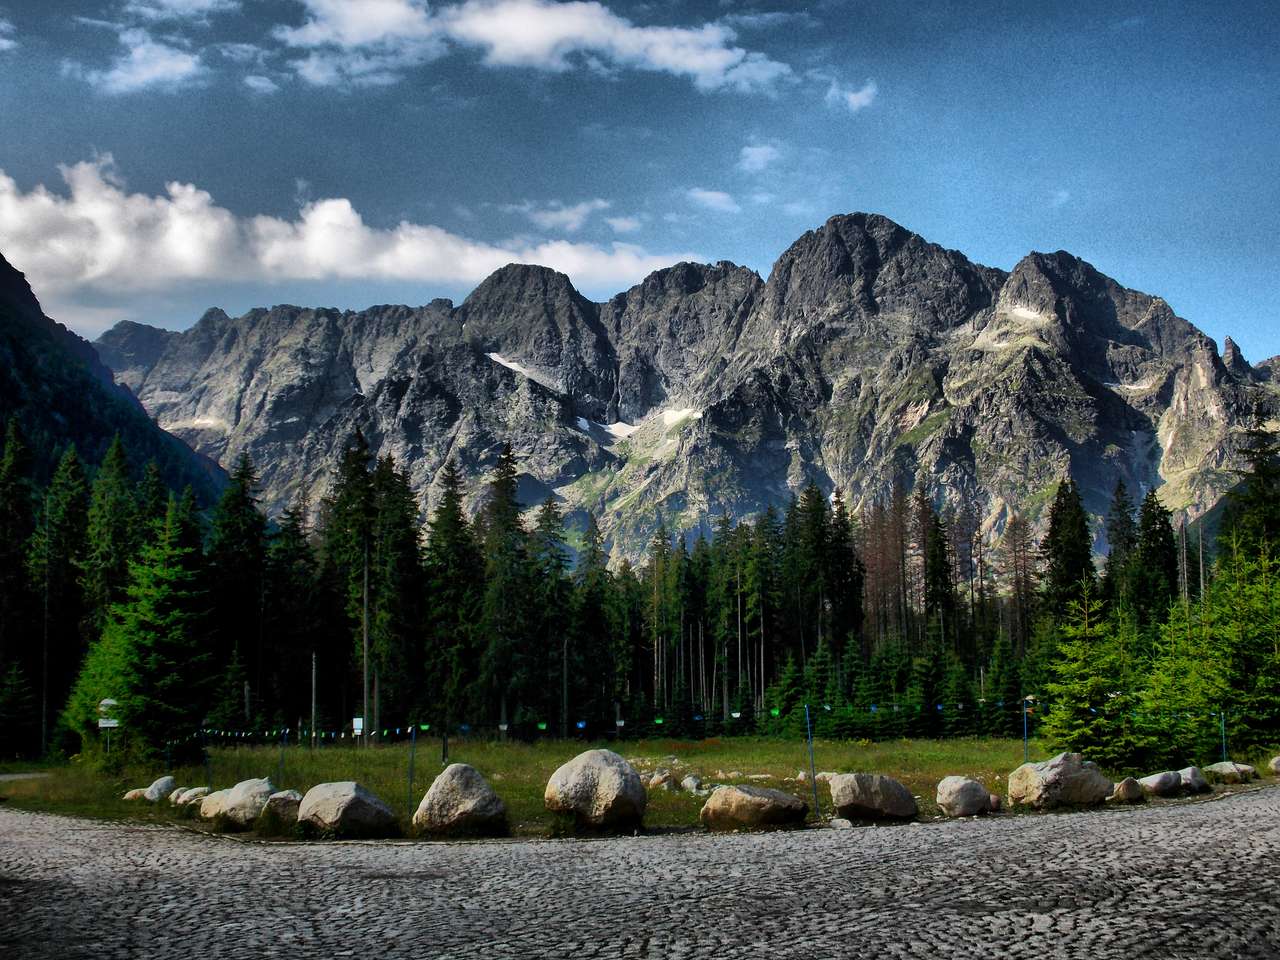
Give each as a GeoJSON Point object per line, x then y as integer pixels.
{"type": "Point", "coordinates": [869, 357]}
{"type": "Point", "coordinates": [61, 393]}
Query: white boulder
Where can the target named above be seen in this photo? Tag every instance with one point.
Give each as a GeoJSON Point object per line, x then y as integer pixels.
{"type": "Point", "coordinates": [1067, 780]}
{"type": "Point", "coordinates": [1165, 784]}
{"type": "Point", "coordinates": [1127, 790]}
{"type": "Point", "coordinates": [282, 807]}
{"type": "Point", "coordinates": [1193, 780]}
{"type": "Point", "coordinates": [211, 804]}
{"type": "Point", "coordinates": [160, 789]}
{"type": "Point", "coordinates": [963, 797]}
{"type": "Point", "coordinates": [871, 796]}
{"type": "Point", "coordinates": [1228, 772]}
{"type": "Point", "coordinates": [460, 801]}
{"type": "Point", "coordinates": [599, 788]}
{"type": "Point", "coordinates": [751, 808]}
{"type": "Point", "coordinates": [346, 809]}
{"type": "Point", "coordinates": [192, 794]}
{"type": "Point", "coordinates": [137, 793]}
{"type": "Point", "coordinates": [245, 801]}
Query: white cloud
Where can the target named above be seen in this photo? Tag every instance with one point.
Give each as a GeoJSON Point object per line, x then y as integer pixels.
{"type": "Point", "coordinates": [380, 38]}
{"type": "Point", "coordinates": [179, 9]}
{"type": "Point", "coordinates": [756, 156]}
{"type": "Point", "coordinates": [557, 216]}
{"type": "Point", "coordinates": [260, 84]}
{"type": "Point", "coordinates": [854, 100]}
{"type": "Point", "coordinates": [146, 63]}
{"type": "Point", "coordinates": [6, 36]}
{"type": "Point", "coordinates": [623, 224]}
{"type": "Point", "coordinates": [100, 241]}
{"type": "Point", "coordinates": [713, 200]}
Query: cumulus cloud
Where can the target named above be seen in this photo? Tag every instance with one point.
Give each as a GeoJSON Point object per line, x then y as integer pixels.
{"type": "Point", "coordinates": [179, 9]}
{"type": "Point", "coordinates": [379, 38]}
{"type": "Point", "coordinates": [99, 240]}
{"type": "Point", "coordinates": [6, 36]}
{"type": "Point", "coordinates": [558, 216]}
{"type": "Point", "coordinates": [853, 100]}
{"type": "Point", "coordinates": [623, 224]}
{"type": "Point", "coordinates": [145, 64]}
{"type": "Point", "coordinates": [756, 156]}
{"type": "Point", "coordinates": [716, 200]}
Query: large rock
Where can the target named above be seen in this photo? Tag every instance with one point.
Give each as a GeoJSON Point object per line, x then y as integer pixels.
{"type": "Point", "coordinates": [137, 793]}
{"type": "Point", "coordinates": [279, 813]}
{"type": "Point", "coordinates": [1193, 780]}
{"type": "Point", "coordinates": [1274, 766]}
{"type": "Point", "coordinates": [346, 809]}
{"type": "Point", "coordinates": [160, 789]}
{"type": "Point", "coordinates": [751, 808]}
{"type": "Point", "coordinates": [1227, 772]}
{"type": "Point", "coordinates": [871, 796]}
{"type": "Point", "coordinates": [1127, 790]}
{"type": "Point", "coordinates": [963, 797]}
{"type": "Point", "coordinates": [245, 801]}
{"type": "Point", "coordinates": [192, 794]}
{"type": "Point", "coordinates": [1165, 784]}
{"type": "Point", "coordinates": [600, 789]}
{"type": "Point", "coordinates": [460, 801]}
{"type": "Point", "coordinates": [176, 794]}
{"type": "Point", "coordinates": [211, 804]}
{"type": "Point", "coordinates": [1066, 780]}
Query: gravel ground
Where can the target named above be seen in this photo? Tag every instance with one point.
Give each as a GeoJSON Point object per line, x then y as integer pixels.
{"type": "Point", "coordinates": [1197, 879]}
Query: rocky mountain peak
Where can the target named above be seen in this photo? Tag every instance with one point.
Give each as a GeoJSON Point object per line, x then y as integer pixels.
{"type": "Point", "coordinates": [16, 294]}
{"type": "Point", "coordinates": [1234, 360]}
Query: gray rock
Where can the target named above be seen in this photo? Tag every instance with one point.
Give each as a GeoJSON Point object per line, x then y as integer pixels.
{"type": "Point", "coordinates": [871, 796]}
{"type": "Point", "coordinates": [1067, 780]}
{"type": "Point", "coordinates": [840, 823]}
{"type": "Point", "coordinates": [994, 803]}
{"type": "Point", "coordinates": [1227, 772]}
{"type": "Point", "coordinates": [245, 801]}
{"type": "Point", "coordinates": [211, 804]}
{"type": "Point", "coordinates": [751, 808]}
{"type": "Point", "coordinates": [160, 789]}
{"type": "Point", "coordinates": [1165, 784]}
{"type": "Point", "coordinates": [1128, 790]}
{"type": "Point", "coordinates": [192, 794]}
{"type": "Point", "coordinates": [282, 806]}
{"type": "Point", "coordinates": [460, 801]}
{"type": "Point", "coordinates": [1274, 766]}
{"type": "Point", "coordinates": [600, 789]}
{"type": "Point", "coordinates": [1193, 780]}
{"type": "Point", "coordinates": [962, 797]}
{"type": "Point", "coordinates": [346, 809]}
{"type": "Point", "coordinates": [176, 794]}
{"type": "Point", "coordinates": [691, 783]}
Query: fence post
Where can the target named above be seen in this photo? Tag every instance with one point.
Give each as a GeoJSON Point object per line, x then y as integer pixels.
{"type": "Point", "coordinates": [813, 774]}
{"type": "Point", "coordinates": [1222, 719]}
{"type": "Point", "coordinates": [413, 749]}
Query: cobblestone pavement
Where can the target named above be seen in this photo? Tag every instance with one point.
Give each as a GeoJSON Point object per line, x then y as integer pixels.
{"type": "Point", "coordinates": [1182, 880]}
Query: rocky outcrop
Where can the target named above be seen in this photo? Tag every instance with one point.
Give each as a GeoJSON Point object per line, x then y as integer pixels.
{"type": "Point", "coordinates": [962, 797]}
{"type": "Point", "coordinates": [871, 796]}
{"type": "Point", "coordinates": [345, 809]}
{"type": "Point", "coordinates": [1067, 780]}
{"type": "Point", "coordinates": [600, 789]}
{"type": "Point", "coordinates": [1166, 784]}
{"type": "Point", "coordinates": [751, 808]}
{"type": "Point", "coordinates": [460, 800]}
{"type": "Point", "coordinates": [869, 357]}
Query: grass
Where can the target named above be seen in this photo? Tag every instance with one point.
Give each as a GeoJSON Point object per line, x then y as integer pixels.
{"type": "Point", "coordinates": [518, 772]}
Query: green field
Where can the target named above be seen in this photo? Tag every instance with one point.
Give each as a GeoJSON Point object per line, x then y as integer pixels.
{"type": "Point", "coordinates": [519, 772]}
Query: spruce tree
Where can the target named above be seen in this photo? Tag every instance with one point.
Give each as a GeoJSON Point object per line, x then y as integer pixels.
{"type": "Point", "coordinates": [1067, 551]}
{"type": "Point", "coordinates": [1253, 507]}
{"type": "Point", "coordinates": [152, 498]}
{"type": "Point", "coordinates": [237, 559]}
{"type": "Point", "coordinates": [113, 538]}
{"type": "Point", "coordinates": [17, 521]}
{"type": "Point", "coordinates": [1154, 571]}
{"type": "Point", "coordinates": [1122, 536]}
{"type": "Point", "coordinates": [592, 626]}
{"type": "Point", "coordinates": [292, 613]}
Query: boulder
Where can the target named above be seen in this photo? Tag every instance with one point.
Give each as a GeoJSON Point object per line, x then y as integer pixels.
{"type": "Point", "coordinates": [1127, 790]}
{"type": "Point", "coordinates": [211, 804]}
{"type": "Point", "coordinates": [245, 801]}
{"type": "Point", "coordinates": [346, 809]}
{"type": "Point", "coordinates": [1166, 784]}
{"type": "Point", "coordinates": [751, 808]}
{"type": "Point", "coordinates": [160, 789]}
{"type": "Point", "coordinates": [280, 810]}
{"type": "Point", "coordinates": [871, 796]}
{"type": "Point", "coordinates": [1067, 780]}
{"type": "Point", "coordinates": [994, 803]}
{"type": "Point", "coordinates": [840, 823]}
{"type": "Point", "coordinates": [191, 794]}
{"type": "Point", "coordinates": [599, 788]}
{"type": "Point", "coordinates": [176, 794]}
{"type": "Point", "coordinates": [1274, 766]}
{"type": "Point", "coordinates": [963, 797]}
{"type": "Point", "coordinates": [661, 780]}
{"type": "Point", "coordinates": [138, 793]}
{"type": "Point", "coordinates": [460, 801]}
{"type": "Point", "coordinates": [1193, 780]}
{"type": "Point", "coordinates": [691, 783]}
{"type": "Point", "coordinates": [1228, 772]}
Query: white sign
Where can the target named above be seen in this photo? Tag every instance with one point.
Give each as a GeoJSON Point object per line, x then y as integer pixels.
{"type": "Point", "coordinates": [105, 724]}
{"type": "Point", "coordinates": [357, 725]}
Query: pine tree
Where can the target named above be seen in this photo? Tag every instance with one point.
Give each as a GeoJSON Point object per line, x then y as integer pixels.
{"type": "Point", "coordinates": [113, 538]}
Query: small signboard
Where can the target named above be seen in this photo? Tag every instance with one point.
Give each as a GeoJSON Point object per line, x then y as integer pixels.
{"type": "Point", "coordinates": [357, 725]}
{"type": "Point", "coordinates": [105, 724]}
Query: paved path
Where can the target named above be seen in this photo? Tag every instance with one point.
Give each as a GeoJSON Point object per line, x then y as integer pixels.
{"type": "Point", "coordinates": [1186, 880]}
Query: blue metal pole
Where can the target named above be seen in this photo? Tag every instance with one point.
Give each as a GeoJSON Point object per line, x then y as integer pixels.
{"type": "Point", "coordinates": [1025, 757]}
{"type": "Point", "coordinates": [413, 749]}
{"type": "Point", "coordinates": [1222, 717]}
{"type": "Point", "coordinates": [813, 774]}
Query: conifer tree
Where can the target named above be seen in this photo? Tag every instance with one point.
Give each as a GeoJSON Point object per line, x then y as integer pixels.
{"type": "Point", "coordinates": [1122, 535]}
{"type": "Point", "coordinates": [17, 520]}
{"type": "Point", "coordinates": [292, 613]}
{"type": "Point", "coordinates": [237, 561]}
{"type": "Point", "coordinates": [112, 538]}
{"type": "Point", "coordinates": [1253, 507]}
{"type": "Point", "coordinates": [1067, 551]}
{"type": "Point", "coordinates": [592, 625]}
{"type": "Point", "coordinates": [1154, 570]}
{"type": "Point", "coordinates": [152, 498]}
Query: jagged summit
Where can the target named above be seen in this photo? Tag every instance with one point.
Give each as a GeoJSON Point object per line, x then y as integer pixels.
{"type": "Point", "coordinates": [869, 357]}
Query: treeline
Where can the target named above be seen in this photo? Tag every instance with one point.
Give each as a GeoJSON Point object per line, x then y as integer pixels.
{"type": "Point", "coordinates": [898, 621]}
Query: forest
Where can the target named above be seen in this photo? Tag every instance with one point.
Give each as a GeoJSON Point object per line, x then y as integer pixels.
{"type": "Point", "coordinates": [898, 620]}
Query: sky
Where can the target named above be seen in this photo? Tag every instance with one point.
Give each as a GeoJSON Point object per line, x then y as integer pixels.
{"type": "Point", "coordinates": [160, 157]}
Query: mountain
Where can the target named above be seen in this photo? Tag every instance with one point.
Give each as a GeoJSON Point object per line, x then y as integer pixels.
{"type": "Point", "coordinates": [869, 357]}
{"type": "Point", "coordinates": [55, 384]}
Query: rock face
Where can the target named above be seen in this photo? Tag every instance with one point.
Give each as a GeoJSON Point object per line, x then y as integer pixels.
{"type": "Point", "coordinates": [1166, 784]}
{"type": "Point", "coordinates": [1066, 780]}
{"type": "Point", "coordinates": [871, 796]}
{"type": "Point", "coordinates": [751, 808]}
{"type": "Point", "coordinates": [460, 801]}
{"type": "Point", "coordinates": [1193, 780]}
{"type": "Point", "coordinates": [962, 797]}
{"type": "Point", "coordinates": [1127, 790]}
{"type": "Point", "coordinates": [160, 789]}
{"type": "Point", "coordinates": [346, 809]}
{"type": "Point", "coordinates": [245, 801]}
{"type": "Point", "coordinates": [869, 357]}
{"type": "Point", "coordinates": [1228, 772]}
{"type": "Point", "coordinates": [600, 789]}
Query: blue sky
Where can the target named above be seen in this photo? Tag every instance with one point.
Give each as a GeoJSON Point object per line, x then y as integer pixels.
{"type": "Point", "coordinates": [162, 156]}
